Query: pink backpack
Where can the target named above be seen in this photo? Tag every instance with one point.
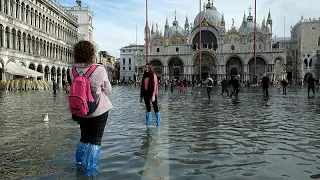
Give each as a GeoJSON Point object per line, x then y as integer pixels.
{"type": "Point", "coordinates": [81, 102]}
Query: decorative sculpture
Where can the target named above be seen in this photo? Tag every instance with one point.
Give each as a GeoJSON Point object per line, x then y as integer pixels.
{"type": "Point", "coordinates": [78, 2]}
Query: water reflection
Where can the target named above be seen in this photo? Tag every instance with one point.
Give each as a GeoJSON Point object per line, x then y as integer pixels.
{"type": "Point", "coordinates": [249, 136]}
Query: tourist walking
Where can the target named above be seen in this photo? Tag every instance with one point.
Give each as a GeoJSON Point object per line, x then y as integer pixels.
{"type": "Point", "coordinates": [235, 86]}
{"type": "Point", "coordinates": [149, 92]}
{"type": "Point", "coordinates": [181, 86]}
{"type": "Point", "coordinates": [209, 84]}
{"type": "Point", "coordinates": [311, 85]}
{"type": "Point", "coordinates": [67, 87]}
{"type": "Point", "coordinates": [265, 84]}
{"type": "Point", "coordinates": [93, 121]}
{"type": "Point", "coordinates": [55, 86]}
{"type": "Point", "coordinates": [284, 86]}
{"type": "Point", "coordinates": [224, 85]}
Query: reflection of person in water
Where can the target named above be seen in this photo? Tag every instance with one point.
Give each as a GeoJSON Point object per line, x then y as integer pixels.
{"type": "Point", "coordinates": [148, 150]}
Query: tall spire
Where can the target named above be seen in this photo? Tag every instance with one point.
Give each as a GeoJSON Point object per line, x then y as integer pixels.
{"type": "Point", "coordinates": [244, 18]}
{"type": "Point", "coordinates": [263, 25]}
{"type": "Point", "coordinates": [157, 30]}
{"type": "Point", "coordinates": [250, 17]}
{"type": "Point", "coordinates": [167, 25]}
{"type": "Point", "coordinates": [186, 24]}
{"type": "Point", "coordinates": [269, 20]}
{"type": "Point", "coordinates": [209, 5]}
{"type": "Point", "coordinates": [223, 23]}
{"type": "Point", "coordinates": [175, 22]}
{"type": "Point", "coordinates": [152, 29]}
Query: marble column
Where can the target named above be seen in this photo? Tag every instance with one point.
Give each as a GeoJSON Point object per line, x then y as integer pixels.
{"type": "Point", "coordinates": [14, 9]}
{"type": "Point", "coordinates": [19, 12]}
{"type": "Point", "coordinates": [8, 8]}
{"type": "Point", "coordinates": [2, 7]}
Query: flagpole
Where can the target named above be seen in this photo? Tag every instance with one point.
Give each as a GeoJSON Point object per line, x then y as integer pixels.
{"type": "Point", "coordinates": [200, 46]}
{"type": "Point", "coordinates": [255, 36]}
{"type": "Point", "coordinates": [147, 33]}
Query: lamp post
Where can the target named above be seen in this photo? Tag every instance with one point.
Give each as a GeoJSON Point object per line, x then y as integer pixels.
{"type": "Point", "coordinates": [200, 39]}
{"type": "Point", "coordinates": [254, 43]}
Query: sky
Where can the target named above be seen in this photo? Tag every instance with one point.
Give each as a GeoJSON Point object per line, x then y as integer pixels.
{"type": "Point", "coordinates": [118, 23]}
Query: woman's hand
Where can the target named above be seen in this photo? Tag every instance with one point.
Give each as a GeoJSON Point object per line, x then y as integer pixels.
{"type": "Point", "coordinates": [153, 98]}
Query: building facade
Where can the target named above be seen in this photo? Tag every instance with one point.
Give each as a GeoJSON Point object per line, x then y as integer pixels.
{"type": "Point", "coordinates": [39, 35]}
{"type": "Point", "coordinates": [305, 49]}
{"type": "Point", "coordinates": [225, 53]}
{"type": "Point", "coordinates": [128, 61]}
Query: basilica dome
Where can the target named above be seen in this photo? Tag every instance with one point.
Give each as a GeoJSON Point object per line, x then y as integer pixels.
{"type": "Point", "coordinates": [248, 26]}
{"type": "Point", "coordinates": [175, 29]}
{"type": "Point", "coordinates": [210, 14]}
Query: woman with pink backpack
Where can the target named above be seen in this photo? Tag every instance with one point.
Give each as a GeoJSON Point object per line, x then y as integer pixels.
{"type": "Point", "coordinates": [89, 85]}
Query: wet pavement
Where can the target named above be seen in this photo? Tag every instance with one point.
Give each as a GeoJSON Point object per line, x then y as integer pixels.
{"type": "Point", "coordinates": [248, 137]}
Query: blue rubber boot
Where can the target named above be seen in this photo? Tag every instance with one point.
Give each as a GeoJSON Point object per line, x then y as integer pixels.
{"type": "Point", "coordinates": [148, 118]}
{"type": "Point", "coordinates": [81, 153]}
{"type": "Point", "coordinates": [158, 119]}
{"type": "Point", "coordinates": [92, 159]}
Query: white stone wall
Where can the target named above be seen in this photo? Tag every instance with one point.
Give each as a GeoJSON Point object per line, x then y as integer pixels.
{"type": "Point", "coordinates": [306, 34]}
{"type": "Point", "coordinates": [33, 35]}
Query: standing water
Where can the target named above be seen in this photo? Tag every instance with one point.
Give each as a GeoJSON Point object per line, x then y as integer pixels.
{"type": "Point", "coordinates": [247, 137]}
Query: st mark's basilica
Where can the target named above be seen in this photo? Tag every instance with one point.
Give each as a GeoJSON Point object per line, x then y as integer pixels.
{"type": "Point", "coordinates": [225, 52]}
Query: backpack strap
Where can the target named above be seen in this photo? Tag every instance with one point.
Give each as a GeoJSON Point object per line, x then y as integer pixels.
{"type": "Point", "coordinates": [90, 71]}
{"type": "Point", "coordinates": [74, 72]}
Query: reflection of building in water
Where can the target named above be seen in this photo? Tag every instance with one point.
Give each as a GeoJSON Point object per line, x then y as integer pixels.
{"type": "Point", "coordinates": [40, 35]}
{"type": "Point", "coordinates": [225, 53]}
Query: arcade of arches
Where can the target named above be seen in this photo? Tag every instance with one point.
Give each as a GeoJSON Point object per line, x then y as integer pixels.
{"type": "Point", "coordinates": [176, 69]}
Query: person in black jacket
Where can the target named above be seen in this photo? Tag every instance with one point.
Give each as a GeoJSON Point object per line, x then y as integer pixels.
{"type": "Point", "coordinates": [311, 84]}
{"type": "Point", "coordinates": [235, 86]}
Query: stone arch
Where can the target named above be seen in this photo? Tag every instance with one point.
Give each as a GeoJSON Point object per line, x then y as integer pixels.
{"type": "Point", "coordinates": [279, 58]}
{"type": "Point", "coordinates": [32, 66]}
{"type": "Point", "coordinates": [175, 65]}
{"type": "Point", "coordinates": [59, 75]}
{"type": "Point", "coordinates": [19, 35]}
{"type": "Point", "coordinates": [305, 62]}
{"type": "Point", "coordinates": [40, 68]}
{"type": "Point", "coordinates": [307, 76]}
{"type": "Point", "coordinates": [234, 66]}
{"type": "Point", "coordinates": [7, 39]}
{"type": "Point", "coordinates": [1, 68]}
{"type": "Point", "coordinates": [209, 40]}
{"type": "Point", "coordinates": [261, 68]}
{"type": "Point", "coordinates": [208, 63]}
{"type": "Point", "coordinates": [158, 67]}
{"type": "Point", "coordinates": [46, 73]}
{"type": "Point", "coordinates": [310, 62]}
{"type": "Point", "coordinates": [1, 35]}
{"type": "Point", "coordinates": [53, 72]}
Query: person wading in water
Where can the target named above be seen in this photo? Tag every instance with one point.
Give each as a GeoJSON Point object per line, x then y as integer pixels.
{"type": "Point", "coordinates": [149, 92]}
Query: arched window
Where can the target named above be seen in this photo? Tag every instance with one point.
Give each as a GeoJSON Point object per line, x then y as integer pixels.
{"type": "Point", "coordinates": [306, 62]}
{"type": "Point", "coordinates": [319, 41]}
{"type": "Point", "coordinates": [158, 49]}
{"type": "Point", "coordinates": [310, 62]}
{"type": "Point", "coordinates": [177, 49]}
{"type": "Point", "coordinates": [232, 47]}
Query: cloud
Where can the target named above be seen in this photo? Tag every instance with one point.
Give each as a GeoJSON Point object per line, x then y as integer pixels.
{"type": "Point", "coordinates": [115, 20]}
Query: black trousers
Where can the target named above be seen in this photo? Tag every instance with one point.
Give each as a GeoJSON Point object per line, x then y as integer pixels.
{"type": "Point", "coordinates": [147, 100]}
{"type": "Point", "coordinates": [209, 91]}
{"type": "Point", "coordinates": [235, 91]}
{"type": "Point", "coordinates": [311, 88]}
{"type": "Point", "coordinates": [92, 129]}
